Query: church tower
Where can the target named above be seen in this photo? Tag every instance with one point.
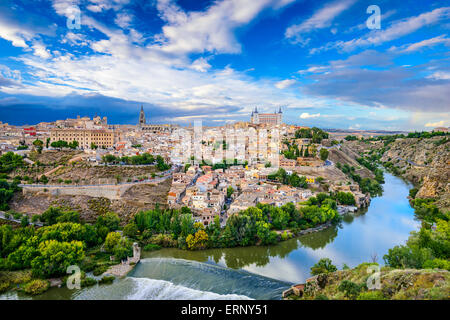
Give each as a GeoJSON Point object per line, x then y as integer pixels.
{"type": "Point", "coordinates": [141, 117]}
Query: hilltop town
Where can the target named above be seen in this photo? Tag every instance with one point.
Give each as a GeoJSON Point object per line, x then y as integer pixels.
{"type": "Point", "coordinates": [93, 167]}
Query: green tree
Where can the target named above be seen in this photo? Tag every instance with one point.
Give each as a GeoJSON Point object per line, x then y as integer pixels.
{"type": "Point", "coordinates": [130, 230]}
{"type": "Point", "coordinates": [230, 191]}
{"type": "Point", "coordinates": [55, 257]}
{"type": "Point", "coordinates": [111, 241]}
{"type": "Point", "coordinates": [324, 154]}
{"type": "Point", "coordinates": [324, 265]}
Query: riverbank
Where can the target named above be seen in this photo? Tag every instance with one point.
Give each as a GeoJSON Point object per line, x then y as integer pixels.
{"type": "Point", "coordinates": [394, 284]}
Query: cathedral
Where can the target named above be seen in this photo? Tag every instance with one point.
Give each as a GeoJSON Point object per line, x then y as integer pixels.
{"type": "Point", "coordinates": [275, 118]}
{"type": "Point", "coordinates": [142, 121]}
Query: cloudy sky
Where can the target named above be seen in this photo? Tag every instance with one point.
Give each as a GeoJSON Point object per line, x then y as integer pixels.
{"type": "Point", "coordinates": [216, 60]}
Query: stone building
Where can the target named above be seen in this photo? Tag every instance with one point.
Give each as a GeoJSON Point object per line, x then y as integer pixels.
{"type": "Point", "coordinates": [275, 118]}
{"type": "Point", "coordinates": [85, 137]}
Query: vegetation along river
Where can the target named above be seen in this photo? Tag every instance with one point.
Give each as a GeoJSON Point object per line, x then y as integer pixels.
{"type": "Point", "coordinates": [260, 272]}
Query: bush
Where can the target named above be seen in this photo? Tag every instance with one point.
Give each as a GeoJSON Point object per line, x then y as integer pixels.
{"type": "Point", "coordinates": [88, 282]}
{"type": "Point", "coordinates": [106, 280]}
{"type": "Point", "coordinates": [324, 265]}
{"type": "Point", "coordinates": [130, 230]}
{"type": "Point", "coordinates": [350, 289]}
{"type": "Point", "coordinates": [4, 286]}
{"type": "Point", "coordinates": [100, 270]}
{"type": "Point", "coordinates": [437, 264]}
{"type": "Point", "coordinates": [24, 221]}
{"type": "Point", "coordinates": [371, 295]}
{"type": "Point", "coordinates": [152, 247]}
{"type": "Point", "coordinates": [36, 287]}
{"type": "Point", "coordinates": [112, 240]}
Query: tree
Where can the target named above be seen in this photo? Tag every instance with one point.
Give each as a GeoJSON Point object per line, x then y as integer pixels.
{"type": "Point", "coordinates": [47, 142]}
{"type": "Point", "coordinates": [24, 221]}
{"type": "Point", "coordinates": [130, 230]}
{"type": "Point", "coordinates": [198, 240]}
{"type": "Point", "coordinates": [39, 144]}
{"type": "Point", "coordinates": [345, 198]}
{"type": "Point", "coordinates": [350, 289]}
{"type": "Point", "coordinates": [324, 154]}
{"type": "Point", "coordinates": [93, 146]}
{"type": "Point", "coordinates": [324, 265]}
{"type": "Point", "coordinates": [43, 179]}
{"type": "Point", "coordinates": [10, 161]}
{"type": "Point", "coordinates": [230, 191]}
{"type": "Point", "coordinates": [112, 240]}
{"type": "Point", "coordinates": [110, 220]}
{"type": "Point", "coordinates": [73, 144]}
{"type": "Point", "coordinates": [54, 257]}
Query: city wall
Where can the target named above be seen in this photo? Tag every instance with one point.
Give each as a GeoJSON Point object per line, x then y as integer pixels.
{"type": "Point", "coordinates": [112, 192]}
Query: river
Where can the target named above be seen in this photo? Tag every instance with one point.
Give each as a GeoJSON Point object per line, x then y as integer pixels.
{"type": "Point", "coordinates": [261, 272]}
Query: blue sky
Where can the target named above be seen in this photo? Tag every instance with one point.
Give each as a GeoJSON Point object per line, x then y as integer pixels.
{"type": "Point", "coordinates": [215, 61]}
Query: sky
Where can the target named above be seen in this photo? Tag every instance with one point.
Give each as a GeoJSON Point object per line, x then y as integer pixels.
{"type": "Point", "coordinates": [347, 64]}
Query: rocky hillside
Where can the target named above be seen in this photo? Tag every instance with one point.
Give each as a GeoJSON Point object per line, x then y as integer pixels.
{"type": "Point", "coordinates": [347, 155]}
{"type": "Point", "coordinates": [135, 199]}
{"type": "Point", "coordinates": [395, 284]}
{"type": "Point", "coordinates": [424, 162]}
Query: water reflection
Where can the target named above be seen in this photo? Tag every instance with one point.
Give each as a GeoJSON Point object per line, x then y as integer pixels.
{"type": "Point", "coordinates": [386, 223]}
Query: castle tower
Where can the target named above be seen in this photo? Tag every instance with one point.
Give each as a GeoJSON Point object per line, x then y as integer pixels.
{"type": "Point", "coordinates": [141, 117]}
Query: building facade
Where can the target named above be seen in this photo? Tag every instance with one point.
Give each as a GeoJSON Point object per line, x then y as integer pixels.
{"type": "Point", "coordinates": [275, 118]}
{"type": "Point", "coordinates": [85, 137]}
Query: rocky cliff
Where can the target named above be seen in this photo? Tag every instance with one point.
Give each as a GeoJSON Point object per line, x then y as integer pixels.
{"type": "Point", "coordinates": [424, 162]}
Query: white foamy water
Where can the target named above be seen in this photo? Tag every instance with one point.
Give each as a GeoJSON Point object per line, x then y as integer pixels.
{"type": "Point", "coordinates": [151, 289]}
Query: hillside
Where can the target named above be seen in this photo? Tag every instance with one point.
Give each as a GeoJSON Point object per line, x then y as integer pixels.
{"type": "Point", "coordinates": [395, 284]}
{"type": "Point", "coordinates": [424, 162]}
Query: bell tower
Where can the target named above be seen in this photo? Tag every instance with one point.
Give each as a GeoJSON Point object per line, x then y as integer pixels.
{"type": "Point", "coordinates": [141, 117]}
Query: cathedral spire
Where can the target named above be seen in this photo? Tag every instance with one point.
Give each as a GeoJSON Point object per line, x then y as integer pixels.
{"type": "Point", "coordinates": [141, 116]}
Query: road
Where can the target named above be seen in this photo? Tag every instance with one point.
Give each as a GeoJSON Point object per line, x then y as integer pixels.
{"type": "Point", "coordinates": [3, 216]}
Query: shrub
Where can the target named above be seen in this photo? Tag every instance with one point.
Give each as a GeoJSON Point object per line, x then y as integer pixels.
{"type": "Point", "coordinates": [151, 247]}
{"type": "Point", "coordinates": [88, 282]}
{"type": "Point", "coordinates": [112, 240]}
{"type": "Point", "coordinates": [107, 280]}
{"type": "Point", "coordinates": [371, 295]}
{"type": "Point", "coordinates": [324, 265]}
{"type": "Point", "coordinates": [4, 286]}
{"type": "Point", "coordinates": [36, 287]}
{"type": "Point", "coordinates": [100, 270]}
{"type": "Point", "coordinates": [130, 230]}
{"type": "Point", "coordinates": [350, 289]}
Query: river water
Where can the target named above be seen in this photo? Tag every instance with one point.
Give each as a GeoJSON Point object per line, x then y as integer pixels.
{"type": "Point", "coordinates": [260, 272]}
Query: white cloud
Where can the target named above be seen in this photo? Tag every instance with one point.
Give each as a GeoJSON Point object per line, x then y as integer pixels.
{"type": "Point", "coordinates": [306, 115]}
{"type": "Point", "coordinates": [440, 75]}
{"type": "Point", "coordinates": [319, 20]}
{"type": "Point", "coordinates": [201, 65]}
{"type": "Point", "coordinates": [436, 124]}
{"type": "Point", "coordinates": [211, 30]}
{"type": "Point", "coordinates": [123, 20]}
{"type": "Point", "coordinates": [284, 83]}
{"type": "Point", "coordinates": [394, 31]}
{"type": "Point", "coordinates": [15, 33]}
{"type": "Point", "coordinates": [40, 50]}
{"type": "Point", "coordinates": [424, 43]}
